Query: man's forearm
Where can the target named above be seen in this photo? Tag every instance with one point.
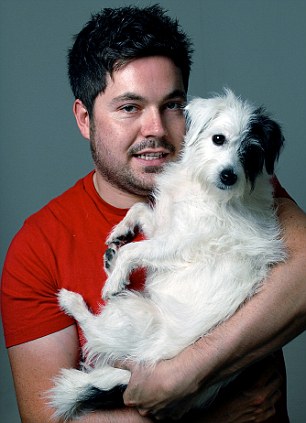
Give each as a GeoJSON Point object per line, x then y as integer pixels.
{"type": "Point", "coordinates": [124, 415]}
{"type": "Point", "coordinates": [259, 328]}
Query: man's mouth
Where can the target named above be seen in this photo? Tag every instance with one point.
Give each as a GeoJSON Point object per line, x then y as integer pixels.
{"type": "Point", "coordinates": [152, 153]}
{"type": "Point", "coordinates": [152, 149]}
{"type": "Point", "coordinates": [151, 156]}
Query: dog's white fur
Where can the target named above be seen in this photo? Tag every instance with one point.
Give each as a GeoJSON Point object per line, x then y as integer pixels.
{"type": "Point", "coordinates": [209, 245]}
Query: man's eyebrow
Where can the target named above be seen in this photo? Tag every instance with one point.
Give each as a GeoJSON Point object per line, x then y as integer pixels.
{"type": "Point", "coordinates": [176, 94]}
{"type": "Point", "coordinates": [129, 96]}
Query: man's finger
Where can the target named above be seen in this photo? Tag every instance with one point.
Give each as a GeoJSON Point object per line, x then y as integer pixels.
{"type": "Point", "coordinates": [124, 364]}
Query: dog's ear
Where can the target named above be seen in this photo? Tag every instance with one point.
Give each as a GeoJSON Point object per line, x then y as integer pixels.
{"type": "Point", "coordinates": [199, 113]}
{"type": "Point", "coordinates": [270, 136]}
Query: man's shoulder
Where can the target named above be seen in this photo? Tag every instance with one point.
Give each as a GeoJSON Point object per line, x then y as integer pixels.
{"type": "Point", "coordinates": [64, 206]}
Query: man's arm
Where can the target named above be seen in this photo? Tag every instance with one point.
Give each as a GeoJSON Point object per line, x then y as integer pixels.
{"type": "Point", "coordinates": [35, 363]}
{"type": "Point", "coordinates": [272, 318]}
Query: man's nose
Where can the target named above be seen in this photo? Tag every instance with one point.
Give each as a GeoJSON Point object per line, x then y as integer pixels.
{"type": "Point", "coordinates": [153, 124]}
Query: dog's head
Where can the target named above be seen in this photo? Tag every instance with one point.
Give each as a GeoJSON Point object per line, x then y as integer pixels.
{"type": "Point", "coordinates": [230, 143]}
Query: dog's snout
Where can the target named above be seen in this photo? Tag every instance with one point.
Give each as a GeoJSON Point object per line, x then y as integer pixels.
{"type": "Point", "coordinates": [228, 177]}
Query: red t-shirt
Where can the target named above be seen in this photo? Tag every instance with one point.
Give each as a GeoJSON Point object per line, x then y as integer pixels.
{"type": "Point", "coordinates": [62, 246]}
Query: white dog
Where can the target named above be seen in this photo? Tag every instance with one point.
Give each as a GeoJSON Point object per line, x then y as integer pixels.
{"type": "Point", "coordinates": [211, 238]}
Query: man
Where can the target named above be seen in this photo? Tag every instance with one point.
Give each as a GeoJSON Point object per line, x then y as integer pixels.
{"type": "Point", "coordinates": [129, 71]}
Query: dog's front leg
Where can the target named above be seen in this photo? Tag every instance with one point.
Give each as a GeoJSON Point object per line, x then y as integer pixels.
{"type": "Point", "coordinates": [126, 261]}
{"type": "Point", "coordinates": [129, 257]}
{"type": "Point", "coordinates": [139, 217]}
{"type": "Point", "coordinates": [143, 254]}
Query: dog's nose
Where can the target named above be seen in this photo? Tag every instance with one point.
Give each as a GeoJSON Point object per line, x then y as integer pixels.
{"type": "Point", "coordinates": [228, 177]}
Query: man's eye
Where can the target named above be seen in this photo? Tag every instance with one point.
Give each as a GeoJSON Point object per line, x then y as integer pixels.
{"type": "Point", "coordinates": [129, 108]}
{"type": "Point", "coordinates": [175, 105]}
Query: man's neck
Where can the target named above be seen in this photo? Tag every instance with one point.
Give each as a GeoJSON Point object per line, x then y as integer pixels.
{"type": "Point", "coordinates": [114, 196]}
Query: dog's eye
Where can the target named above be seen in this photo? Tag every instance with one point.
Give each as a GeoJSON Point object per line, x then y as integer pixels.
{"type": "Point", "coordinates": [218, 139]}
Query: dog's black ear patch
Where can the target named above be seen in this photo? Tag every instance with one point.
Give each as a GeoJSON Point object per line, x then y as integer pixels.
{"type": "Point", "coordinates": [261, 145]}
{"type": "Point", "coordinates": [252, 158]}
{"type": "Point", "coordinates": [269, 135]}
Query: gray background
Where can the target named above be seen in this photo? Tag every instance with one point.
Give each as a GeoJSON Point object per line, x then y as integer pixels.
{"type": "Point", "coordinates": [255, 47]}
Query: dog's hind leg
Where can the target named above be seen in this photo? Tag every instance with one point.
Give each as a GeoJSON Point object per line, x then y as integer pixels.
{"type": "Point", "coordinates": [92, 325]}
{"type": "Point", "coordinates": [74, 305]}
{"type": "Point", "coordinates": [117, 330]}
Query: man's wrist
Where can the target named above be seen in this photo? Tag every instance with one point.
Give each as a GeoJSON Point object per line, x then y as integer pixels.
{"type": "Point", "coordinates": [212, 358]}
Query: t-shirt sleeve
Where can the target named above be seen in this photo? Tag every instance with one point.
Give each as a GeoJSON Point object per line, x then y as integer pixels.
{"type": "Point", "coordinates": [29, 304]}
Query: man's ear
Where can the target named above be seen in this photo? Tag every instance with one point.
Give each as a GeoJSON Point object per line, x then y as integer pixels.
{"type": "Point", "coordinates": [82, 118]}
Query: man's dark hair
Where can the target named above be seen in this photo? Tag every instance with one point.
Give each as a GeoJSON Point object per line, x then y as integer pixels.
{"type": "Point", "coordinates": [116, 36]}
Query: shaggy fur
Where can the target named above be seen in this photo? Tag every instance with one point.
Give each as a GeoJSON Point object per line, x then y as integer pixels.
{"type": "Point", "coordinates": [211, 238]}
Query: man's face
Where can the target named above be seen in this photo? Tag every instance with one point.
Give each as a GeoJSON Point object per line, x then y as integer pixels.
{"type": "Point", "coordinates": [138, 124]}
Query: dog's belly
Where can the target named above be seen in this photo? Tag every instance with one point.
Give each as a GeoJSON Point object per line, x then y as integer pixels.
{"type": "Point", "coordinates": [200, 295]}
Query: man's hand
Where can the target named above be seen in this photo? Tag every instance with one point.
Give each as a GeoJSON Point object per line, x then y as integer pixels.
{"type": "Point", "coordinates": [151, 390]}
{"type": "Point", "coordinates": [251, 398]}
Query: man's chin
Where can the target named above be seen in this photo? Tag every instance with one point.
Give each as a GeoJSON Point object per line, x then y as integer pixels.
{"type": "Point", "coordinates": [153, 169]}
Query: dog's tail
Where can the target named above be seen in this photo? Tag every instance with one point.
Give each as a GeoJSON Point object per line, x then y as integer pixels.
{"type": "Point", "coordinates": [76, 392]}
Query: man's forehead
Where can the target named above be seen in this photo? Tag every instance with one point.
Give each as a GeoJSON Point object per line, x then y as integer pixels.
{"type": "Point", "coordinates": [156, 65]}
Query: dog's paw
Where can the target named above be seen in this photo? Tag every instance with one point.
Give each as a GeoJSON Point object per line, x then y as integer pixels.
{"type": "Point", "coordinates": [109, 258]}
{"type": "Point", "coordinates": [114, 242]}
{"type": "Point", "coordinates": [120, 236]}
{"type": "Point", "coordinates": [70, 301]}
